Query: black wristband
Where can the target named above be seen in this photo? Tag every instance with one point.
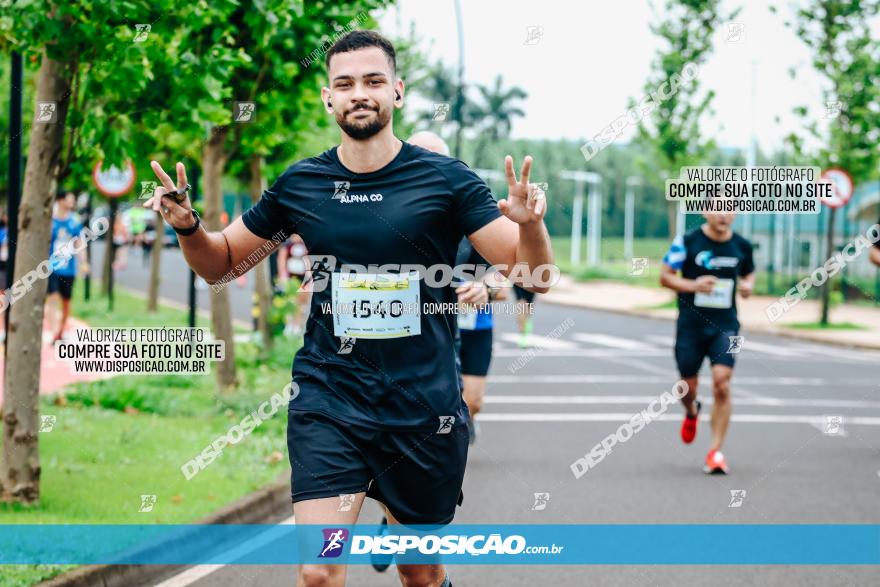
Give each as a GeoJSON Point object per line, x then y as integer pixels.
{"type": "Point", "coordinates": [191, 229]}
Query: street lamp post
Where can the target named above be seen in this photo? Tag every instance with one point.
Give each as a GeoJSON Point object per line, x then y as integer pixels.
{"type": "Point", "coordinates": [594, 220]}
{"type": "Point", "coordinates": [629, 213]}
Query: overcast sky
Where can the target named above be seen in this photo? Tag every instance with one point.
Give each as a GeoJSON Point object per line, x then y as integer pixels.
{"type": "Point", "coordinates": [594, 55]}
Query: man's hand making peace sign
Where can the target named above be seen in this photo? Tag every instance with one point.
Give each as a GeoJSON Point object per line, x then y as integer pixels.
{"type": "Point", "coordinates": [520, 237]}
{"type": "Point", "coordinates": [178, 215]}
{"type": "Point", "coordinates": [526, 202]}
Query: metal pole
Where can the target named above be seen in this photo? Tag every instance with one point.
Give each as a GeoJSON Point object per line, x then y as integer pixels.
{"type": "Point", "coordinates": [192, 274]}
{"type": "Point", "coordinates": [594, 225]}
{"type": "Point", "coordinates": [577, 219]}
{"type": "Point", "coordinates": [114, 207]}
{"type": "Point", "coordinates": [14, 174]}
{"type": "Point", "coordinates": [629, 216]}
{"type": "Point", "coordinates": [459, 93]}
{"type": "Point", "coordinates": [88, 277]}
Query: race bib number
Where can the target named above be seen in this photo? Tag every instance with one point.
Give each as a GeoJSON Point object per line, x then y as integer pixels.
{"type": "Point", "coordinates": [376, 305]}
{"type": "Point", "coordinates": [467, 320]}
{"type": "Point", "coordinates": [721, 295]}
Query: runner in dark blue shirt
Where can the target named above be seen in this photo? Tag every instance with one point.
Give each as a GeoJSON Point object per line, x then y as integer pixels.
{"type": "Point", "coordinates": [379, 410]}
{"type": "Point", "coordinates": [715, 264]}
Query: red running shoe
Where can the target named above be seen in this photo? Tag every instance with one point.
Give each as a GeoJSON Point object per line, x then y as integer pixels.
{"type": "Point", "coordinates": [689, 426]}
{"type": "Point", "coordinates": [715, 463]}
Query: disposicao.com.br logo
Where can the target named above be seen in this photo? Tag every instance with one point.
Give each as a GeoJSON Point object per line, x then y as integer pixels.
{"type": "Point", "coordinates": [432, 544]}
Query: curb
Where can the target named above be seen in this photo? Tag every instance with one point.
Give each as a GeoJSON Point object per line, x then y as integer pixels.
{"type": "Point", "coordinates": [258, 507]}
{"type": "Point", "coordinates": [783, 333]}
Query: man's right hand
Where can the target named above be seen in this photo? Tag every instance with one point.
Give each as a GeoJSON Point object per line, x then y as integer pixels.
{"type": "Point", "coordinates": [177, 215]}
{"type": "Point", "coordinates": [705, 283]}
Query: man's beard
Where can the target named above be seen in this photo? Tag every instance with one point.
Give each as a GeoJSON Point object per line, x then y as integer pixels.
{"type": "Point", "coordinates": [363, 130]}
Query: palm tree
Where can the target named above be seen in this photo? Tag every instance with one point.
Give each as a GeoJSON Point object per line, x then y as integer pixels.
{"type": "Point", "coordinates": [495, 113]}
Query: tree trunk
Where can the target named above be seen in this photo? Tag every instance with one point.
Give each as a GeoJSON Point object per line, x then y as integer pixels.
{"type": "Point", "coordinates": [213, 164]}
{"type": "Point", "coordinates": [829, 251]}
{"type": "Point", "coordinates": [672, 218]}
{"type": "Point", "coordinates": [20, 467]}
{"type": "Point", "coordinates": [155, 264]}
{"type": "Point", "coordinates": [261, 271]}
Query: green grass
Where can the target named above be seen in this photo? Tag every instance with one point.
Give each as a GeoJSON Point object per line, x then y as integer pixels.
{"type": "Point", "coordinates": [117, 439]}
{"type": "Point", "coordinates": [829, 326]}
{"type": "Point", "coordinates": [128, 310]}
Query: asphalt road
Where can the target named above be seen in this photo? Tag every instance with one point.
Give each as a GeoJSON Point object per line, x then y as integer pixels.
{"type": "Point", "coordinates": [547, 407]}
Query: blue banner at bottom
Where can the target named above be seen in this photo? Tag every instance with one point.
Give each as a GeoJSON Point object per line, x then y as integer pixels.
{"type": "Point", "coordinates": [540, 544]}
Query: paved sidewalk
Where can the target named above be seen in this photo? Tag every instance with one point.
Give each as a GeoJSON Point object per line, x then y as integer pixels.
{"type": "Point", "coordinates": [643, 301]}
{"type": "Point", "coordinates": [54, 373]}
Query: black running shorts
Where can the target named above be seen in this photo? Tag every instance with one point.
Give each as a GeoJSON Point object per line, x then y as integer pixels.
{"type": "Point", "coordinates": [417, 475]}
{"type": "Point", "coordinates": [476, 351]}
{"type": "Point", "coordinates": [693, 343]}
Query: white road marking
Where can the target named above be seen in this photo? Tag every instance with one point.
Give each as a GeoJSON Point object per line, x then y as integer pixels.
{"type": "Point", "coordinates": [616, 342]}
{"type": "Point", "coordinates": [651, 379]}
{"type": "Point", "coordinates": [662, 340]}
{"type": "Point", "coordinates": [646, 399]}
{"type": "Point", "coordinates": [625, 417]}
{"type": "Point", "coordinates": [776, 350]}
{"type": "Point", "coordinates": [537, 342]}
{"type": "Point", "coordinates": [198, 572]}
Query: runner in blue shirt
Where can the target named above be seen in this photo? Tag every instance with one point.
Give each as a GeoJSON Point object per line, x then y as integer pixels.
{"type": "Point", "coordinates": [63, 260]}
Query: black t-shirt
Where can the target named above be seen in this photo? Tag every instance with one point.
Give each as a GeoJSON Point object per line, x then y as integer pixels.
{"type": "Point", "coordinates": [415, 210]}
{"type": "Point", "coordinates": [695, 254]}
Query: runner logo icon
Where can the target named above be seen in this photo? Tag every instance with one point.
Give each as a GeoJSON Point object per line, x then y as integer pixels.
{"type": "Point", "coordinates": [340, 192]}
{"type": "Point", "coordinates": [346, 345]}
{"type": "Point", "coordinates": [541, 500]}
{"type": "Point", "coordinates": [334, 542]}
{"type": "Point", "coordinates": [341, 189]}
{"type": "Point", "coordinates": [737, 497]}
{"type": "Point", "coordinates": [446, 423]}
{"type": "Point", "coordinates": [736, 344]}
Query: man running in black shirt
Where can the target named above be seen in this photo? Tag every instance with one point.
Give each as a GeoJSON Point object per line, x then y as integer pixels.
{"type": "Point", "coordinates": [715, 264]}
{"type": "Point", "coordinates": [378, 411]}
